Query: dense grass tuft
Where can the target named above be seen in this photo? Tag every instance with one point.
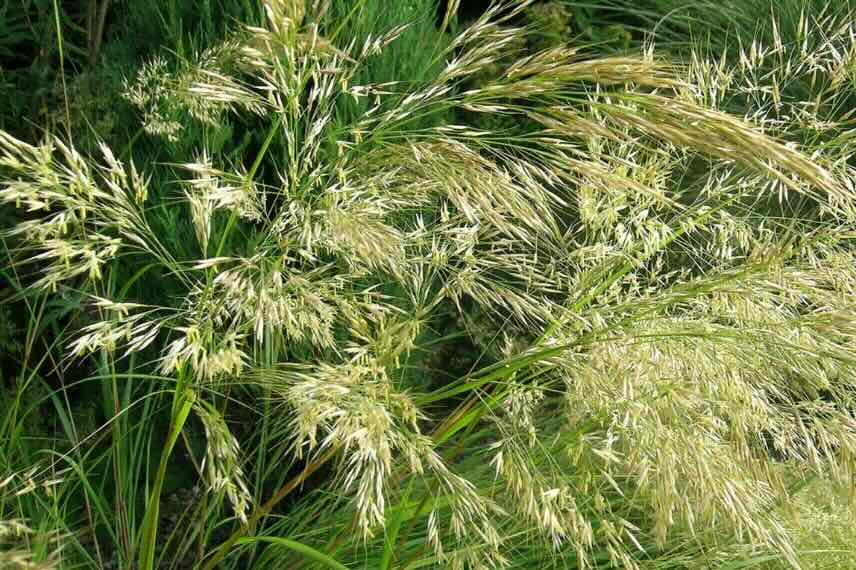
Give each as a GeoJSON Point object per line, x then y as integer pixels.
{"type": "Point", "coordinates": [352, 284]}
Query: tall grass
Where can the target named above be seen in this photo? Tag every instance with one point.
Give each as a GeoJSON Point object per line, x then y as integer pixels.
{"type": "Point", "coordinates": [651, 264]}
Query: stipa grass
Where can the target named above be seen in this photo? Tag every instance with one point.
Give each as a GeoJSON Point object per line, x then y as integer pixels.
{"type": "Point", "coordinates": [665, 360]}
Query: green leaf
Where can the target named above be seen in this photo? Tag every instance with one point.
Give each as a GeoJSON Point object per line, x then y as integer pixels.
{"type": "Point", "coordinates": [393, 529]}
{"type": "Point", "coordinates": [148, 538]}
{"type": "Point", "coordinates": [307, 551]}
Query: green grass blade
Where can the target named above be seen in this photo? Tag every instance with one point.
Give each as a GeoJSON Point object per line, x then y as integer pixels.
{"type": "Point", "coordinates": [306, 551]}
{"type": "Point", "coordinates": [150, 521]}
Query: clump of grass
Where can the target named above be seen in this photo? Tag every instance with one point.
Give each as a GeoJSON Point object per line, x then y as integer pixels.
{"type": "Point", "coordinates": [674, 332]}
